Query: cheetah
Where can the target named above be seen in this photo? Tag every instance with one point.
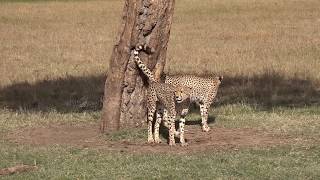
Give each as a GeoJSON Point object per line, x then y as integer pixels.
{"type": "Point", "coordinates": [204, 91]}
{"type": "Point", "coordinates": [163, 98]}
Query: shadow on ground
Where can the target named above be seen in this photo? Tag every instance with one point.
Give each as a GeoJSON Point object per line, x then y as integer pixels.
{"type": "Point", "coordinates": [72, 94]}
{"type": "Point", "coordinates": [211, 120]}
{"type": "Point", "coordinates": [76, 94]}
{"type": "Point", "coordinates": [269, 90]}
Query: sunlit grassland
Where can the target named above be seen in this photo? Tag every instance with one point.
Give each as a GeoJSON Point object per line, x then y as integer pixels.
{"type": "Point", "coordinates": [56, 39]}
{"type": "Point", "coordinates": [242, 37]}
{"type": "Point", "coordinates": [54, 54]}
{"type": "Point", "coordinates": [246, 37]}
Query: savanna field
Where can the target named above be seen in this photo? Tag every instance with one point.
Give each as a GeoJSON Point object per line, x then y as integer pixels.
{"type": "Point", "coordinates": [265, 123]}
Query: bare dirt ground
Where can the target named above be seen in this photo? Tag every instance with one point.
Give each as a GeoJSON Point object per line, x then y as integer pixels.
{"type": "Point", "coordinates": [87, 136]}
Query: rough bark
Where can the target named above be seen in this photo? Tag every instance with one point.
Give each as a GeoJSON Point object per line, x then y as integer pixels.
{"type": "Point", "coordinates": [146, 23]}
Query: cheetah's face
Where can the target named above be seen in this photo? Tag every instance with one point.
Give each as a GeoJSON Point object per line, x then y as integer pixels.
{"type": "Point", "coordinates": [219, 79]}
{"type": "Point", "coordinates": [182, 93]}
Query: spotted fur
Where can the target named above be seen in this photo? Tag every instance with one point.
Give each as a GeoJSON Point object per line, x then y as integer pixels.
{"type": "Point", "coordinates": [204, 91]}
{"type": "Point", "coordinates": [163, 97]}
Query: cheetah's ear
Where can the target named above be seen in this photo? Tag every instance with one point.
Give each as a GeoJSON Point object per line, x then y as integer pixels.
{"type": "Point", "coordinates": [220, 78]}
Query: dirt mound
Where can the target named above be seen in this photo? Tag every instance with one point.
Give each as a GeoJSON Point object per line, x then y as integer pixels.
{"type": "Point", "coordinates": [87, 136]}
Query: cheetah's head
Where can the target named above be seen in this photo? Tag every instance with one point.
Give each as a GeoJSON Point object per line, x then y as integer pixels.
{"type": "Point", "coordinates": [219, 79]}
{"type": "Point", "coordinates": [182, 93]}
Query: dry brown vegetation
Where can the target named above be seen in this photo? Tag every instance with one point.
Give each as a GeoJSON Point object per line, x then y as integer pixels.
{"type": "Point", "coordinates": [244, 37]}
{"type": "Point", "coordinates": [247, 37]}
{"type": "Point", "coordinates": [50, 40]}
{"type": "Point", "coordinates": [55, 54]}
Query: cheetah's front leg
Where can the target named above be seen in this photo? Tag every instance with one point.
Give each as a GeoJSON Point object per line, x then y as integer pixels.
{"type": "Point", "coordinates": [181, 126]}
{"type": "Point", "coordinates": [172, 129]}
{"type": "Point", "coordinates": [204, 117]}
{"type": "Point", "coordinates": [165, 123]}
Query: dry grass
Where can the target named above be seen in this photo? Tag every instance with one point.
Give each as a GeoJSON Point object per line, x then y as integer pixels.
{"type": "Point", "coordinates": [49, 40]}
{"type": "Point", "coordinates": [246, 37]}
{"type": "Point", "coordinates": [54, 54]}
{"type": "Point", "coordinates": [243, 37]}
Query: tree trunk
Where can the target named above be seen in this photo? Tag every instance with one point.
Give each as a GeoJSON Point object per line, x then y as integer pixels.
{"type": "Point", "coordinates": [146, 23]}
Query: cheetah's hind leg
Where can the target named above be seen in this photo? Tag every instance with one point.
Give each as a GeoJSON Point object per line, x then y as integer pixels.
{"type": "Point", "coordinates": [150, 119]}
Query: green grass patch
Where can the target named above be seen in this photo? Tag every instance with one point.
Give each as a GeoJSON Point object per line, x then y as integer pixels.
{"type": "Point", "coordinates": [128, 135]}
{"type": "Point", "coordinates": [72, 163]}
{"type": "Point", "coordinates": [11, 120]}
{"type": "Point", "coordinates": [304, 121]}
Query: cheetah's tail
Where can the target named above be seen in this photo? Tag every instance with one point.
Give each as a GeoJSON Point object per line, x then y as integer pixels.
{"type": "Point", "coordinates": [142, 66]}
